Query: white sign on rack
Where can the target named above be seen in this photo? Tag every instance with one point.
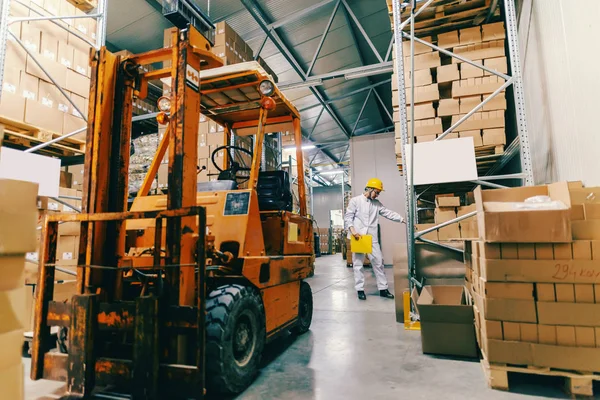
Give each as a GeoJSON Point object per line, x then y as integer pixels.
{"type": "Point", "coordinates": [443, 161]}
{"type": "Point", "coordinates": [18, 165]}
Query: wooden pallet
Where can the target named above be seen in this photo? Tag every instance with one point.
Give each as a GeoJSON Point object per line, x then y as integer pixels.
{"type": "Point", "coordinates": [575, 383]}
{"type": "Point", "coordinates": [84, 5]}
{"type": "Point", "coordinates": [449, 15]}
{"type": "Point", "coordinates": [22, 135]}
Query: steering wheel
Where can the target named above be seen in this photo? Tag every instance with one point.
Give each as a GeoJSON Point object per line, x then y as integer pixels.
{"type": "Point", "coordinates": [233, 167]}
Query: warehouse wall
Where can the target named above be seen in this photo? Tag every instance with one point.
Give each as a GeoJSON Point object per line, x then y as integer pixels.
{"type": "Point", "coordinates": [374, 156]}
{"type": "Point", "coordinates": [326, 199]}
{"type": "Point", "coordinates": [560, 58]}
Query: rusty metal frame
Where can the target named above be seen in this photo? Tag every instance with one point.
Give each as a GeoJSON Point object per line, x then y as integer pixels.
{"type": "Point", "coordinates": [87, 315]}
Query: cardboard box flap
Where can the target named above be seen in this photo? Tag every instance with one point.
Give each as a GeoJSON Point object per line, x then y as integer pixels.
{"type": "Point", "coordinates": [444, 304]}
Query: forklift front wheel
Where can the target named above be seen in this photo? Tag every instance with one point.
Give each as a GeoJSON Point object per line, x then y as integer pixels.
{"type": "Point", "coordinates": [235, 338]}
{"type": "Point", "coordinates": [305, 309]}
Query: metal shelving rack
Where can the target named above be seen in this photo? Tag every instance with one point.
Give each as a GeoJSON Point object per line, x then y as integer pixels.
{"type": "Point", "coordinates": [5, 20]}
{"type": "Point", "coordinates": [519, 146]}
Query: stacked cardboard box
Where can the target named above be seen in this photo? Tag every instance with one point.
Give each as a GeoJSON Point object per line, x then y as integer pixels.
{"type": "Point", "coordinates": [448, 207]}
{"type": "Point", "coordinates": [537, 293]}
{"type": "Point", "coordinates": [28, 94]}
{"type": "Point", "coordinates": [17, 237]}
{"type": "Point", "coordinates": [446, 88]}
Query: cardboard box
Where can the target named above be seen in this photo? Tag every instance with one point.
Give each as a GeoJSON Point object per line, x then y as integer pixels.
{"type": "Point", "coordinates": [431, 235]}
{"type": "Point", "coordinates": [29, 86]}
{"type": "Point", "coordinates": [422, 111]}
{"type": "Point", "coordinates": [498, 64]}
{"type": "Point", "coordinates": [72, 123]}
{"type": "Point", "coordinates": [547, 334]}
{"type": "Point", "coordinates": [448, 40]}
{"type": "Point", "coordinates": [563, 251]}
{"type": "Point", "coordinates": [424, 94]}
{"type": "Point", "coordinates": [526, 251]}
{"type": "Point", "coordinates": [31, 38]}
{"type": "Point", "coordinates": [584, 293]}
{"type": "Point", "coordinates": [425, 60]}
{"type": "Point", "coordinates": [565, 336]}
{"type": "Point", "coordinates": [476, 135]}
{"type": "Point", "coordinates": [419, 48]}
{"type": "Point", "coordinates": [511, 331]}
{"type": "Point", "coordinates": [450, 232]}
{"type": "Point", "coordinates": [510, 251]}
{"type": "Point", "coordinates": [49, 47]}
{"type": "Point", "coordinates": [50, 97]}
{"type": "Point", "coordinates": [80, 102]}
{"type": "Point", "coordinates": [56, 70]}
{"type": "Point", "coordinates": [480, 120]}
{"type": "Point", "coordinates": [448, 73]}
{"type": "Point", "coordinates": [18, 216]}
{"type": "Point", "coordinates": [480, 51]}
{"type": "Point", "coordinates": [544, 251]}
{"type": "Point", "coordinates": [475, 86]}
{"type": "Point", "coordinates": [494, 31]}
{"type": "Point", "coordinates": [448, 107]}
{"type": "Point", "coordinates": [497, 103]}
{"type": "Point", "coordinates": [503, 290]}
{"type": "Point", "coordinates": [447, 200]}
{"type": "Point", "coordinates": [81, 63]}
{"type": "Point", "coordinates": [444, 215]}
{"type": "Point", "coordinates": [67, 250]}
{"type": "Point", "coordinates": [586, 230]}
{"type": "Point", "coordinates": [513, 310]}
{"type": "Point", "coordinates": [427, 127]}
{"type": "Point", "coordinates": [12, 106]}
{"type": "Point", "coordinates": [470, 35]}
{"type": "Point", "coordinates": [468, 71]}
{"type": "Point", "coordinates": [546, 271]}
{"type": "Point", "coordinates": [495, 136]}
{"type": "Point", "coordinates": [565, 292]}
{"type": "Point", "coordinates": [545, 292]}
{"type": "Point", "coordinates": [11, 81]}
{"type": "Point", "coordinates": [43, 117]}
{"type": "Point", "coordinates": [498, 217]}
{"type": "Point", "coordinates": [529, 333]}
{"type": "Point", "coordinates": [13, 272]}
{"type": "Point", "coordinates": [573, 314]}
{"type": "Point", "coordinates": [447, 321]}
{"type": "Point", "coordinates": [77, 84]}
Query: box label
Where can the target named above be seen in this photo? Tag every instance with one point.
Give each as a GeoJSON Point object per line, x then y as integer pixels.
{"type": "Point", "coordinates": [9, 87]}
{"type": "Point", "coordinates": [65, 62]}
{"type": "Point", "coordinates": [67, 255]}
{"type": "Point", "coordinates": [192, 77]}
{"type": "Point", "coordinates": [28, 95]}
{"type": "Point", "coordinates": [47, 102]}
{"type": "Point", "coordinates": [81, 70]}
{"type": "Point", "coordinates": [63, 107]}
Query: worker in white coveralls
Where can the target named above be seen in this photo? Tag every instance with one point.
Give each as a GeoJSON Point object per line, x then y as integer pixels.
{"type": "Point", "coordinates": [362, 218]}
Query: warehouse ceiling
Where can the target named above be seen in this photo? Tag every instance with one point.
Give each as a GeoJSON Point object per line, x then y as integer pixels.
{"type": "Point", "coordinates": [317, 48]}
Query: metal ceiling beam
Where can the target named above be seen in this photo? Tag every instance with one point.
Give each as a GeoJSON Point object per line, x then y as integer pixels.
{"type": "Point", "coordinates": [297, 15]}
{"type": "Point", "coordinates": [384, 106]}
{"type": "Point", "coordinates": [349, 94]}
{"type": "Point", "coordinates": [362, 30]}
{"type": "Point", "coordinates": [259, 16]}
{"type": "Point", "coordinates": [348, 13]}
{"type": "Point", "coordinates": [323, 37]}
{"type": "Point", "coordinates": [316, 122]}
{"type": "Point", "coordinates": [362, 109]}
{"type": "Point", "coordinates": [386, 67]}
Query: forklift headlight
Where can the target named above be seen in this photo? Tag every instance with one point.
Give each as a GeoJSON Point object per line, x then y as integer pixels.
{"type": "Point", "coordinates": [164, 104]}
{"type": "Point", "coordinates": [266, 88]}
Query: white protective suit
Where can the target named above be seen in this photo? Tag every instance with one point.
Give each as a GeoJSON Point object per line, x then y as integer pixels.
{"type": "Point", "coordinates": [363, 214]}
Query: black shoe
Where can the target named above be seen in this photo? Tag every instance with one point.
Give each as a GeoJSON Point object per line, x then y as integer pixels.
{"type": "Point", "coordinates": [386, 293]}
{"type": "Point", "coordinates": [362, 295]}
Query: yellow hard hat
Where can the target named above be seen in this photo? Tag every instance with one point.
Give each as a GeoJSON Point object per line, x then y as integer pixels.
{"type": "Point", "coordinates": [375, 183]}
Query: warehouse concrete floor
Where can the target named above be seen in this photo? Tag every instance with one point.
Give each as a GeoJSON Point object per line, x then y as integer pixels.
{"type": "Point", "coordinates": [356, 350]}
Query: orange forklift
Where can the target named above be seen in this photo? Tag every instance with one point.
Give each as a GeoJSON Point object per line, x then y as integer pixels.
{"type": "Point", "coordinates": [178, 294]}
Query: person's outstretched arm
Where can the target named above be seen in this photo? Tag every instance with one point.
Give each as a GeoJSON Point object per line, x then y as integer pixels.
{"type": "Point", "coordinates": [389, 214]}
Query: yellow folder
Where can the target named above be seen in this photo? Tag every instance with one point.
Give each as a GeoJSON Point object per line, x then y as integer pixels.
{"type": "Point", "coordinates": [364, 245]}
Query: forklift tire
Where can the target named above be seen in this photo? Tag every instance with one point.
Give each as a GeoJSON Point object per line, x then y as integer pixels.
{"type": "Point", "coordinates": [235, 338]}
{"type": "Point", "coordinates": [305, 309]}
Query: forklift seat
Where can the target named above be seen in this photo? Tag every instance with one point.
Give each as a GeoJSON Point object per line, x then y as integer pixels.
{"type": "Point", "coordinates": [216, 186]}
{"type": "Point", "coordinates": [274, 191]}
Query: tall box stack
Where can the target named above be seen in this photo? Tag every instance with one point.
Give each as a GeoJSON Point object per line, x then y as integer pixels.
{"type": "Point", "coordinates": [448, 207]}
{"type": "Point", "coordinates": [536, 290]}
{"type": "Point", "coordinates": [18, 216]}
{"type": "Point", "coordinates": [446, 88]}
{"type": "Point", "coordinates": [28, 95]}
